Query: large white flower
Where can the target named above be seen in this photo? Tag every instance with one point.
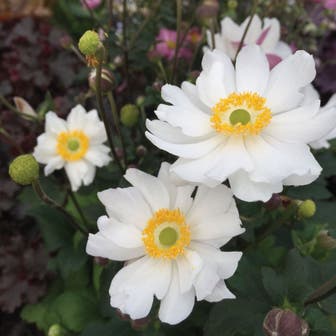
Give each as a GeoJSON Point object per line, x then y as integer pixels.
{"type": "Point", "coordinates": [75, 144]}
{"type": "Point", "coordinates": [170, 242]}
{"type": "Point", "coordinates": [266, 34]}
{"type": "Point", "coordinates": [246, 124]}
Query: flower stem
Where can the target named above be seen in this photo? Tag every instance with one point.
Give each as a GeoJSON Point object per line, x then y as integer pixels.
{"type": "Point", "coordinates": [178, 35]}
{"type": "Point", "coordinates": [124, 41]}
{"type": "Point", "coordinates": [327, 289]}
{"type": "Point", "coordinates": [103, 114]}
{"type": "Point", "coordinates": [78, 208]}
{"type": "Point", "coordinates": [241, 43]}
{"type": "Point", "coordinates": [115, 116]}
{"type": "Point", "coordinates": [49, 201]}
{"type": "Point", "coordinates": [212, 32]}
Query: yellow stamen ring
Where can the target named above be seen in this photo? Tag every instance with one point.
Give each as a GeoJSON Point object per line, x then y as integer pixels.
{"type": "Point", "coordinates": [73, 145]}
{"type": "Point", "coordinates": [166, 234]}
{"type": "Point", "coordinates": [241, 113]}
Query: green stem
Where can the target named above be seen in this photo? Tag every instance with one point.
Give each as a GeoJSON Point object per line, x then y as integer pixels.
{"type": "Point", "coordinates": [212, 32]}
{"type": "Point", "coordinates": [103, 115]}
{"type": "Point", "coordinates": [78, 54]}
{"type": "Point", "coordinates": [163, 71]}
{"type": "Point", "coordinates": [115, 116]}
{"type": "Point", "coordinates": [78, 208]}
{"type": "Point", "coordinates": [327, 289]}
{"type": "Point", "coordinates": [253, 11]}
{"type": "Point", "coordinates": [49, 201]}
{"type": "Point", "coordinates": [178, 31]}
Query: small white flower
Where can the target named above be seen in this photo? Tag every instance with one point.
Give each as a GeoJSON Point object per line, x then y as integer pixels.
{"type": "Point", "coordinates": [171, 244]}
{"type": "Point", "coordinates": [266, 34]}
{"type": "Point", "coordinates": [75, 144]}
{"type": "Point", "coordinates": [246, 124]}
{"type": "Point", "coordinates": [329, 107]}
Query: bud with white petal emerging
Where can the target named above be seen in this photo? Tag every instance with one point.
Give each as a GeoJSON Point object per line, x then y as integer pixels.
{"type": "Point", "coordinates": [283, 322]}
{"type": "Point", "coordinates": [24, 107]}
{"type": "Point", "coordinates": [107, 81]}
{"type": "Point", "coordinates": [24, 169]}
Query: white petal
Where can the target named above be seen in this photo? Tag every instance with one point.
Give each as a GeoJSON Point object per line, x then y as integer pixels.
{"type": "Point", "coordinates": [98, 155]}
{"type": "Point", "coordinates": [189, 265]}
{"type": "Point", "coordinates": [286, 80]}
{"type": "Point", "coordinates": [46, 148]}
{"type": "Point", "coordinates": [99, 245]}
{"type": "Point", "coordinates": [182, 112]}
{"type": "Point", "coordinates": [205, 281]}
{"type": "Point", "coordinates": [90, 174]}
{"type": "Point", "coordinates": [76, 171]}
{"type": "Point", "coordinates": [247, 190]}
{"type": "Point", "coordinates": [127, 205]}
{"type": "Point", "coordinates": [94, 128]}
{"type": "Point", "coordinates": [76, 118]}
{"type": "Point", "coordinates": [234, 156]}
{"type": "Point", "coordinates": [273, 35]}
{"type": "Point", "coordinates": [133, 288]}
{"type": "Point", "coordinates": [220, 292]}
{"type": "Point", "coordinates": [189, 150]}
{"type": "Point", "coordinates": [216, 81]}
{"type": "Point", "coordinates": [53, 164]}
{"type": "Point", "coordinates": [151, 188]}
{"type": "Point", "coordinates": [191, 91]}
{"type": "Point", "coordinates": [210, 202]}
{"type": "Point", "coordinates": [282, 49]}
{"type": "Point", "coordinates": [175, 306]}
{"type": "Point", "coordinates": [54, 124]}
{"type": "Point", "coordinates": [252, 78]}
{"type": "Point", "coordinates": [123, 235]}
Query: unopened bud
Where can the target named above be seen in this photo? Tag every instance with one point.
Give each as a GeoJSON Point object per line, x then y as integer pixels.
{"type": "Point", "coordinates": [24, 107]}
{"type": "Point", "coordinates": [89, 43]}
{"type": "Point", "coordinates": [232, 4]}
{"type": "Point", "coordinates": [141, 151]}
{"type": "Point", "coordinates": [129, 115]}
{"type": "Point", "coordinates": [56, 330]}
{"type": "Point", "coordinates": [279, 322]}
{"type": "Point", "coordinates": [24, 169]}
{"type": "Point", "coordinates": [306, 209]}
{"type": "Point", "coordinates": [140, 100]}
{"type": "Point", "coordinates": [207, 9]}
{"type": "Point", "coordinates": [107, 81]}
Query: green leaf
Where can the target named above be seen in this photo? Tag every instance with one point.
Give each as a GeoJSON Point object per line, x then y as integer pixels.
{"type": "Point", "coordinates": [275, 285]}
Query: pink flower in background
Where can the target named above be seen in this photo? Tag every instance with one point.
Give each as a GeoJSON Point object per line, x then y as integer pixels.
{"type": "Point", "coordinates": [194, 36]}
{"type": "Point", "coordinates": [166, 44]}
{"type": "Point", "coordinates": [92, 4]}
{"type": "Point", "coordinates": [329, 4]}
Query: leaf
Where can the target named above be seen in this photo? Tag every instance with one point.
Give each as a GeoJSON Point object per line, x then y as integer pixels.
{"type": "Point", "coordinates": [274, 285]}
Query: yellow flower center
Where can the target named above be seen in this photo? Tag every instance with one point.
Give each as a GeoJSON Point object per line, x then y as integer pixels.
{"type": "Point", "coordinates": [241, 113]}
{"type": "Point", "coordinates": [171, 44]}
{"type": "Point", "coordinates": [73, 145]}
{"type": "Point", "coordinates": [166, 234]}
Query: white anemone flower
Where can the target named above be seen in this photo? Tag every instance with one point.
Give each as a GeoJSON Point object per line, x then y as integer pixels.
{"type": "Point", "coordinates": [246, 124]}
{"type": "Point", "coordinates": [171, 244]}
{"type": "Point", "coordinates": [75, 144]}
{"type": "Point", "coordinates": [266, 34]}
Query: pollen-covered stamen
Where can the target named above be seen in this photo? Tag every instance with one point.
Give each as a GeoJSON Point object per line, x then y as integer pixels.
{"type": "Point", "coordinates": [166, 234]}
{"type": "Point", "coordinates": [73, 145]}
{"type": "Point", "coordinates": [241, 113]}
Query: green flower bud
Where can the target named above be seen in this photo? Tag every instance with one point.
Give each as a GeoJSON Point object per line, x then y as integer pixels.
{"type": "Point", "coordinates": [129, 115]}
{"type": "Point", "coordinates": [89, 43]}
{"type": "Point", "coordinates": [56, 330]}
{"type": "Point", "coordinates": [24, 169]}
{"type": "Point", "coordinates": [306, 209]}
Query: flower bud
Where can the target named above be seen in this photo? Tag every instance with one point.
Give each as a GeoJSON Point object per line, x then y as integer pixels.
{"type": "Point", "coordinates": [306, 209]}
{"type": "Point", "coordinates": [24, 169]}
{"type": "Point", "coordinates": [56, 330]}
{"type": "Point", "coordinates": [24, 107]}
{"type": "Point", "coordinates": [207, 9]}
{"type": "Point", "coordinates": [279, 322]}
{"type": "Point", "coordinates": [232, 4]}
{"type": "Point", "coordinates": [140, 100]}
{"type": "Point", "coordinates": [89, 43]}
{"type": "Point", "coordinates": [141, 151]}
{"type": "Point", "coordinates": [107, 81]}
{"type": "Point", "coordinates": [325, 241]}
{"type": "Point", "coordinates": [129, 115]}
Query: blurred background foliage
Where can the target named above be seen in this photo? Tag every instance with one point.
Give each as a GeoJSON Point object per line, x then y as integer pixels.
{"type": "Point", "coordinates": [49, 286]}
